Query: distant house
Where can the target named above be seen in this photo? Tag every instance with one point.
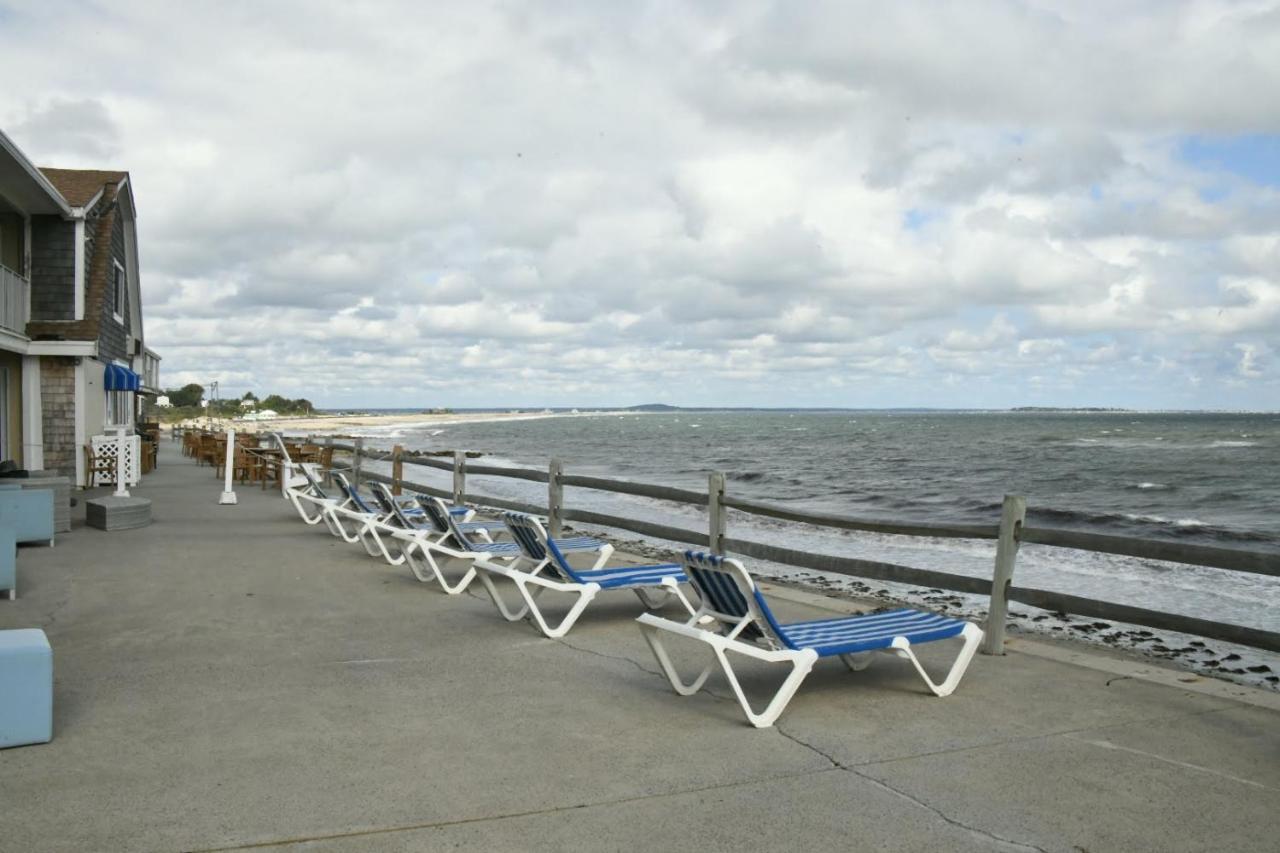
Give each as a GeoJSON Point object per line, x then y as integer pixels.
{"type": "Point", "coordinates": [72, 354]}
{"type": "Point", "coordinates": [247, 404]}
{"type": "Point", "coordinates": [162, 402]}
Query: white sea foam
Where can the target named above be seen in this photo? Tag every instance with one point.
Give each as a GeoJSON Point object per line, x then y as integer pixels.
{"type": "Point", "coordinates": [1233, 444]}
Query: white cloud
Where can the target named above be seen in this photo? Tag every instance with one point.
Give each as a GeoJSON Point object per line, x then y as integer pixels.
{"type": "Point", "coordinates": [763, 202]}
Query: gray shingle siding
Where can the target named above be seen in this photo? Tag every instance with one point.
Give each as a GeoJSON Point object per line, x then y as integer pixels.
{"type": "Point", "coordinates": [53, 260]}
{"type": "Point", "coordinates": [113, 335]}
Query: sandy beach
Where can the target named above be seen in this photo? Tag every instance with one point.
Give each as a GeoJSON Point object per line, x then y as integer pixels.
{"type": "Point", "coordinates": [346, 423]}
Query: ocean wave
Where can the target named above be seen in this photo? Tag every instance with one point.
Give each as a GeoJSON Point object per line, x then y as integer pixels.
{"type": "Point", "coordinates": [1232, 443]}
{"type": "Point", "coordinates": [1159, 487]}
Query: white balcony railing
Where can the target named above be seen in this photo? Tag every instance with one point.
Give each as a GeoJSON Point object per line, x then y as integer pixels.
{"type": "Point", "coordinates": [15, 301]}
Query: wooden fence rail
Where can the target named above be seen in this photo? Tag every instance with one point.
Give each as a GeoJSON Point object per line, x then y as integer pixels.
{"type": "Point", "coordinates": [1010, 533]}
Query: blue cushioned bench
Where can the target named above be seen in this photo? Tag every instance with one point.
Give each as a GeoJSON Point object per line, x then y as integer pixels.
{"type": "Point", "coordinates": [8, 563]}
{"type": "Point", "coordinates": [26, 688]}
{"type": "Point", "coordinates": [28, 513]}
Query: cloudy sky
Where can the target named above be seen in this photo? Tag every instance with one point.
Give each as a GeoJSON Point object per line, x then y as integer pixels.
{"type": "Point", "coordinates": [720, 203]}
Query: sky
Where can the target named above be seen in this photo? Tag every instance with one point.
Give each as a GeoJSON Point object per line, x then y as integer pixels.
{"type": "Point", "coordinates": [944, 204]}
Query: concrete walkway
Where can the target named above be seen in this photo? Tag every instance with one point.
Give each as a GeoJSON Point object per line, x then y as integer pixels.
{"type": "Point", "coordinates": [230, 678]}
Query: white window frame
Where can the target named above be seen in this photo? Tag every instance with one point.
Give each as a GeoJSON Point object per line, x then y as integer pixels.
{"type": "Point", "coordinates": [118, 404]}
{"type": "Point", "coordinates": [119, 283]}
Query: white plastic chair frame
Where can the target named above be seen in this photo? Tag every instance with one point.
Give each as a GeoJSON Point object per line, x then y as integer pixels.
{"type": "Point", "coordinates": [368, 524]}
{"type": "Point", "coordinates": [303, 491]}
{"type": "Point", "coordinates": [756, 621]}
{"type": "Point", "coordinates": [531, 578]}
{"type": "Point", "coordinates": [420, 545]}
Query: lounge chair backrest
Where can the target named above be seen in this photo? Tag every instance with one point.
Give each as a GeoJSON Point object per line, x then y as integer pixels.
{"type": "Point", "coordinates": [312, 483]}
{"type": "Point", "coordinates": [437, 513]}
{"type": "Point", "coordinates": [729, 594]}
{"type": "Point", "coordinates": [350, 491]}
{"type": "Point", "coordinates": [390, 507]}
{"type": "Point", "coordinates": [284, 451]}
{"type": "Point", "coordinates": [535, 545]}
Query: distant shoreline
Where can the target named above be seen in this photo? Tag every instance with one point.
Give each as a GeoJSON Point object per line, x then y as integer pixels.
{"type": "Point", "coordinates": [345, 423]}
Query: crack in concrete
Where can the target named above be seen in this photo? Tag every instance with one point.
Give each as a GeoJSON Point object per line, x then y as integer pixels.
{"type": "Point", "coordinates": [442, 824]}
{"type": "Point", "coordinates": [1043, 736]}
{"type": "Point", "coordinates": [1106, 744]}
{"type": "Point", "coordinates": [563, 642]}
{"type": "Point", "coordinates": [1002, 842]}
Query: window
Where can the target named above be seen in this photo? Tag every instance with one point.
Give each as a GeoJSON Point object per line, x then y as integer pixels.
{"type": "Point", "coordinates": [119, 408]}
{"type": "Point", "coordinates": [118, 284]}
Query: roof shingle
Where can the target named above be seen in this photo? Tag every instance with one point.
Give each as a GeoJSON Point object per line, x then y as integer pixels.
{"type": "Point", "coordinates": [79, 186]}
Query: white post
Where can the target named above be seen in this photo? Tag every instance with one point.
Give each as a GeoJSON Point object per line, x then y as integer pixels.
{"type": "Point", "coordinates": [1011, 518]}
{"type": "Point", "coordinates": [122, 480]}
{"type": "Point", "coordinates": [229, 496]}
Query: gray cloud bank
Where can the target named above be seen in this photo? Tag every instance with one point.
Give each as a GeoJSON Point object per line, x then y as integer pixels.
{"type": "Point", "coordinates": [861, 204]}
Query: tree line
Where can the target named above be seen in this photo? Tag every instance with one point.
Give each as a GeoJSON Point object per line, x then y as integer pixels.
{"type": "Point", "coordinates": [184, 403]}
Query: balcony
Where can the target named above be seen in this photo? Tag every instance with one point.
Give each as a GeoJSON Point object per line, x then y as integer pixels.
{"type": "Point", "coordinates": [150, 371]}
{"type": "Point", "coordinates": [15, 301]}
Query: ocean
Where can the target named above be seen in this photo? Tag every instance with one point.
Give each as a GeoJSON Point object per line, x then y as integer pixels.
{"type": "Point", "coordinates": [1195, 477]}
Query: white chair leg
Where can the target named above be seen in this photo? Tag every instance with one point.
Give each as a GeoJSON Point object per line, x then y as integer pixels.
{"type": "Point", "coordinates": [651, 635]}
{"type": "Point", "coordinates": [585, 593]}
{"type": "Point", "coordinates": [669, 589]}
{"type": "Point", "coordinates": [858, 662]}
{"type": "Point", "coordinates": [801, 663]}
{"type": "Point", "coordinates": [972, 636]}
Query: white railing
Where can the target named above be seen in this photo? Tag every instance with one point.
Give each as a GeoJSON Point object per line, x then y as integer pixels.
{"type": "Point", "coordinates": [15, 301]}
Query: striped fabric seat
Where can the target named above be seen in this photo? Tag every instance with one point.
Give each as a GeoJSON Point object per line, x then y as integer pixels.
{"type": "Point", "coordinates": [853, 634]}
{"type": "Point", "coordinates": [629, 576]}
{"type": "Point", "coordinates": [748, 627]}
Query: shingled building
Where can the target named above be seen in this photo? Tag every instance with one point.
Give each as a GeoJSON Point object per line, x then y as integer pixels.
{"type": "Point", "coordinates": [72, 352]}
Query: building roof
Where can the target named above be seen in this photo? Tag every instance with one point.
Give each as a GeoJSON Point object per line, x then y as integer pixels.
{"type": "Point", "coordinates": [79, 186]}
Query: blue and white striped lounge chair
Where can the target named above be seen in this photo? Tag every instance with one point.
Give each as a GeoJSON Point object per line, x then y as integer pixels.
{"type": "Point", "coordinates": [545, 567]}
{"type": "Point", "coordinates": [452, 539]}
{"type": "Point", "coordinates": [418, 536]}
{"type": "Point", "coordinates": [368, 523]}
{"type": "Point", "coordinates": [735, 605]}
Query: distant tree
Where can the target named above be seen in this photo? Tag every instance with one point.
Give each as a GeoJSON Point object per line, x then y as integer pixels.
{"type": "Point", "coordinates": [276, 403]}
{"type": "Point", "coordinates": [249, 395]}
{"type": "Point", "coordinates": [187, 395]}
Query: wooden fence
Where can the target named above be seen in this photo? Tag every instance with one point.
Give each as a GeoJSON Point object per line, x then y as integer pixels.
{"type": "Point", "coordinates": [1009, 533]}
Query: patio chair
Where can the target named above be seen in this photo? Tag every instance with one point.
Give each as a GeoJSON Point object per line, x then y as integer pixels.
{"type": "Point", "coordinates": [98, 467]}
{"type": "Point", "coordinates": [731, 602]}
{"type": "Point", "coordinates": [545, 567]}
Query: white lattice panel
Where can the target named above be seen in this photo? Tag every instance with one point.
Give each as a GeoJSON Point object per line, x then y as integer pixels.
{"type": "Point", "coordinates": [127, 451]}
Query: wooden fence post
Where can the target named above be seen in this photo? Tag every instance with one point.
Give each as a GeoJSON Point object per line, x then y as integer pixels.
{"type": "Point", "coordinates": [355, 461]}
{"type": "Point", "coordinates": [715, 512]}
{"type": "Point", "coordinates": [397, 468]}
{"type": "Point", "coordinates": [1012, 516]}
{"type": "Point", "coordinates": [328, 456]}
{"type": "Point", "coordinates": [555, 499]}
{"type": "Point", "coordinates": [459, 477]}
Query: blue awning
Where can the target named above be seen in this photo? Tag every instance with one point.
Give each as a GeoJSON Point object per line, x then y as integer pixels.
{"type": "Point", "coordinates": [119, 378]}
